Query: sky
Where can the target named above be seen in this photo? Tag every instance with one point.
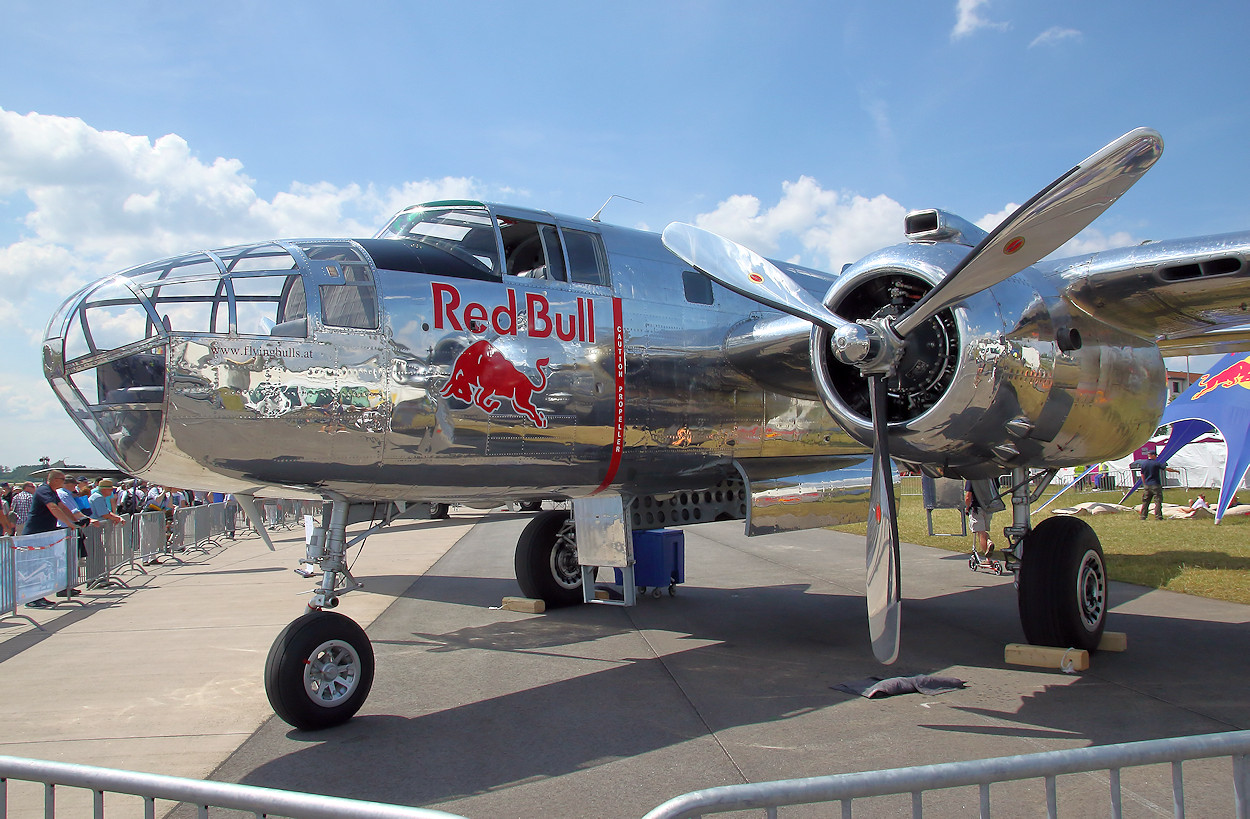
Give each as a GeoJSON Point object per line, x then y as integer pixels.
{"type": "Point", "coordinates": [131, 131]}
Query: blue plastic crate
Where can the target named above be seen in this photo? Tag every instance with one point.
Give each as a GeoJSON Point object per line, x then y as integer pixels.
{"type": "Point", "coordinates": [659, 558]}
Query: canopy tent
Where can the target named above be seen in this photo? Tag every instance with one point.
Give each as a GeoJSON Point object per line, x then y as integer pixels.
{"type": "Point", "coordinates": [1214, 402]}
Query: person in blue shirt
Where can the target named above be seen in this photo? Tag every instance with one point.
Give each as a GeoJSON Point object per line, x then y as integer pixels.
{"type": "Point", "coordinates": [101, 501]}
{"type": "Point", "coordinates": [1152, 482]}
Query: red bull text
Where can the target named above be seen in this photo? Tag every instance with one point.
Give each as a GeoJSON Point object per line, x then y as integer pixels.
{"type": "Point", "coordinates": [540, 322]}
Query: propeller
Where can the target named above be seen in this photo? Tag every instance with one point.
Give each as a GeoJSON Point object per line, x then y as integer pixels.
{"type": "Point", "coordinates": [1037, 228]}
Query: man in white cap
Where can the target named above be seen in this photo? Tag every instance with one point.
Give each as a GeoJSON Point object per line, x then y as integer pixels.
{"type": "Point", "coordinates": [102, 502]}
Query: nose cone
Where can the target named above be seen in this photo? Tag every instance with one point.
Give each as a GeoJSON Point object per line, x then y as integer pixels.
{"type": "Point", "coordinates": [104, 355]}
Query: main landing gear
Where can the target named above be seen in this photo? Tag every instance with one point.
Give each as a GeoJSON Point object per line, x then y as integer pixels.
{"type": "Point", "coordinates": [1061, 574]}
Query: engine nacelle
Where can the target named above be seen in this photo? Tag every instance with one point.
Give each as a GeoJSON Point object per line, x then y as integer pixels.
{"type": "Point", "coordinates": [1013, 376]}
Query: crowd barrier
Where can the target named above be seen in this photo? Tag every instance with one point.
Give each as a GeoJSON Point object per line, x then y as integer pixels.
{"type": "Point", "coordinates": [766, 796]}
{"type": "Point", "coordinates": [203, 794]}
{"type": "Point", "coordinates": [35, 566]}
{"type": "Point", "coordinates": [982, 773]}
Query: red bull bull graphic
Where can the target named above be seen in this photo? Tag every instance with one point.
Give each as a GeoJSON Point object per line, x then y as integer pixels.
{"type": "Point", "coordinates": [482, 376]}
{"type": "Point", "coordinates": [1236, 374]}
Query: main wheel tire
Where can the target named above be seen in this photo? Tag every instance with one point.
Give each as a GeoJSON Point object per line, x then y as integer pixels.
{"type": "Point", "coordinates": [319, 670]}
{"type": "Point", "coordinates": [546, 560]}
{"type": "Point", "coordinates": [1063, 585]}
{"type": "Point", "coordinates": [440, 511]}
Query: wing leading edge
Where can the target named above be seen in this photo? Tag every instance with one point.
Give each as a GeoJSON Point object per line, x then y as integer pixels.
{"type": "Point", "coordinates": [1190, 295]}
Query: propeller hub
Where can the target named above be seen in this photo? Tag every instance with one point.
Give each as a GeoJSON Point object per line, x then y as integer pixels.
{"type": "Point", "coordinates": [869, 344]}
{"type": "Point", "coordinates": [852, 344]}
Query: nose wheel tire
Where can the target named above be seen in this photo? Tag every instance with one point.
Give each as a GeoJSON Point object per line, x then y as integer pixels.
{"type": "Point", "coordinates": [1063, 585]}
{"type": "Point", "coordinates": [319, 670]}
{"type": "Point", "coordinates": [546, 560]}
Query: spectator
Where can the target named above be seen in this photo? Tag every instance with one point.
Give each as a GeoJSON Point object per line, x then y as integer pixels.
{"type": "Point", "coordinates": [978, 521]}
{"type": "Point", "coordinates": [48, 512]}
{"type": "Point", "coordinates": [22, 499]}
{"type": "Point", "coordinates": [1152, 482]}
{"type": "Point", "coordinates": [101, 501]}
{"type": "Point", "coordinates": [6, 509]}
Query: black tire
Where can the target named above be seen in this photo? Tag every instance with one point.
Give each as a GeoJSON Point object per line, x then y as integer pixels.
{"type": "Point", "coordinates": [531, 505]}
{"type": "Point", "coordinates": [1063, 585]}
{"type": "Point", "coordinates": [440, 511]}
{"type": "Point", "coordinates": [316, 644]}
{"type": "Point", "coordinates": [546, 560]}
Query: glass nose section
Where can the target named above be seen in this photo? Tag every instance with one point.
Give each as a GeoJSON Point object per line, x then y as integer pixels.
{"type": "Point", "coordinates": [104, 355]}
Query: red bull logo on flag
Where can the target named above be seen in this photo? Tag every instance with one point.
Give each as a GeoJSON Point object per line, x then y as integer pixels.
{"type": "Point", "coordinates": [1236, 374]}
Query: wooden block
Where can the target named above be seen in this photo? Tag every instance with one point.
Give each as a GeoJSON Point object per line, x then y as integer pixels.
{"type": "Point", "coordinates": [602, 594]}
{"type": "Point", "coordinates": [1113, 641]}
{"type": "Point", "coordinates": [526, 605]}
{"type": "Point", "coordinates": [1075, 659]}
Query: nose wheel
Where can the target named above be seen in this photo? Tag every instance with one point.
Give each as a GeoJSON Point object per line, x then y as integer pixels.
{"type": "Point", "coordinates": [319, 670]}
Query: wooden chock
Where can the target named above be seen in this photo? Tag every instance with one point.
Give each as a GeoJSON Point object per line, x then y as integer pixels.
{"type": "Point", "coordinates": [1113, 641]}
{"type": "Point", "coordinates": [1064, 659]}
{"type": "Point", "coordinates": [526, 605]}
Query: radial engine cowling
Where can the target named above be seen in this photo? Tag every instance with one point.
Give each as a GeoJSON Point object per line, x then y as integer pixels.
{"type": "Point", "coordinates": [1013, 376]}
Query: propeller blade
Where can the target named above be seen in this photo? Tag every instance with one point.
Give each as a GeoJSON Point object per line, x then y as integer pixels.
{"type": "Point", "coordinates": [882, 560]}
{"type": "Point", "coordinates": [1053, 216]}
{"type": "Point", "coordinates": [745, 272]}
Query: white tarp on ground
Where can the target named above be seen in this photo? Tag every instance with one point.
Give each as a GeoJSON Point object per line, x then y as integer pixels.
{"type": "Point", "coordinates": [1202, 462]}
{"type": "Point", "coordinates": [1170, 510]}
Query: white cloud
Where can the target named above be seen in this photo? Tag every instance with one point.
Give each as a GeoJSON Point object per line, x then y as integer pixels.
{"type": "Point", "coordinates": [832, 228]}
{"type": "Point", "coordinates": [104, 200]}
{"type": "Point", "coordinates": [968, 19]}
{"type": "Point", "coordinates": [1055, 35]}
{"type": "Point", "coordinates": [101, 201]}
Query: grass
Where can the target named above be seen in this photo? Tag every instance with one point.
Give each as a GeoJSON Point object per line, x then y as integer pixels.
{"type": "Point", "coordinates": [1188, 556]}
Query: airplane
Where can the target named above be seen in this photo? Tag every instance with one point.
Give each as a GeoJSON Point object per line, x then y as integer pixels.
{"type": "Point", "coordinates": [484, 354]}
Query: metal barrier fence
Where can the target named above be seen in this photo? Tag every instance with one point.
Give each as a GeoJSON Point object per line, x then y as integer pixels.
{"type": "Point", "coordinates": [100, 555]}
{"type": "Point", "coordinates": [983, 773]}
{"type": "Point", "coordinates": [202, 794]}
{"type": "Point", "coordinates": [766, 796]}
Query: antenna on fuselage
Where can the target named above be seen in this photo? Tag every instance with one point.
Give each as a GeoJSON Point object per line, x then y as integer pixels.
{"type": "Point", "coordinates": [595, 218]}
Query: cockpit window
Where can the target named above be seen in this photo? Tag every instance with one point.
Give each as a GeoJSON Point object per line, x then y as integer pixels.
{"type": "Point", "coordinates": [111, 317]}
{"type": "Point", "coordinates": [464, 231]}
{"type": "Point", "coordinates": [532, 250]}
{"type": "Point", "coordinates": [191, 306]}
{"type": "Point", "coordinates": [256, 258]}
{"type": "Point", "coordinates": [259, 303]}
{"type": "Point", "coordinates": [350, 299]}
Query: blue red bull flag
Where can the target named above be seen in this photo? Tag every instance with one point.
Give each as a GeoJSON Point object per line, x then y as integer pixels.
{"type": "Point", "coordinates": [1219, 399]}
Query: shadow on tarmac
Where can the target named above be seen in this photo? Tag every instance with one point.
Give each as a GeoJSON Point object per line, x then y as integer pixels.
{"type": "Point", "coordinates": [724, 682]}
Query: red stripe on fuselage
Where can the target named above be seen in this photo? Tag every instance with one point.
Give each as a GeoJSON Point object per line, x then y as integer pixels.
{"type": "Point", "coordinates": [618, 396]}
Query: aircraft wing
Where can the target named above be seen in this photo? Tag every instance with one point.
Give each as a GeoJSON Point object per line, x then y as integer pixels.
{"type": "Point", "coordinates": [1191, 295]}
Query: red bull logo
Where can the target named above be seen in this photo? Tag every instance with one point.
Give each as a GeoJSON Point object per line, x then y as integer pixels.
{"type": "Point", "coordinates": [482, 376]}
{"type": "Point", "coordinates": [1236, 374]}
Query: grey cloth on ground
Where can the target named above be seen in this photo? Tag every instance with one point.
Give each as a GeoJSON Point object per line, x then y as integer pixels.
{"type": "Point", "coordinates": [876, 687]}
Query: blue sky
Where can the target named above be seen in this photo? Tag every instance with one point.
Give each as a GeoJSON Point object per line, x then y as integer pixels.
{"type": "Point", "coordinates": [131, 131]}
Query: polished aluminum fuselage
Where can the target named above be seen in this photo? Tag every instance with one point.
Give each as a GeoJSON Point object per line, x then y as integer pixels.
{"type": "Point", "coordinates": [362, 412]}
